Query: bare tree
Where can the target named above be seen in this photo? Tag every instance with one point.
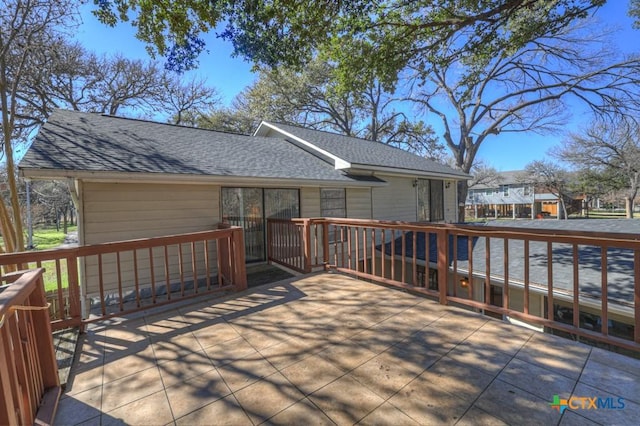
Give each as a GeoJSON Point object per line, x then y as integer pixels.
{"type": "Point", "coordinates": [310, 98]}
{"type": "Point", "coordinates": [610, 147]}
{"type": "Point", "coordinates": [226, 120]}
{"type": "Point", "coordinates": [525, 90]}
{"type": "Point", "coordinates": [27, 28]}
{"type": "Point", "coordinates": [186, 100]}
{"type": "Point", "coordinates": [483, 174]}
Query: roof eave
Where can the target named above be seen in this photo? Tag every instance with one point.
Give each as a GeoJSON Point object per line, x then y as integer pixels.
{"type": "Point", "coordinates": [408, 172]}
{"type": "Point", "coordinates": [145, 177]}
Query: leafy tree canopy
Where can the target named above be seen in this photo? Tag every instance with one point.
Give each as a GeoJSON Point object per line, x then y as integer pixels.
{"type": "Point", "coordinates": [364, 37]}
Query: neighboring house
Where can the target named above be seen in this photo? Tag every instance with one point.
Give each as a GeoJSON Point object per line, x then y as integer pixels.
{"type": "Point", "coordinates": [137, 179]}
{"type": "Point", "coordinates": [509, 196]}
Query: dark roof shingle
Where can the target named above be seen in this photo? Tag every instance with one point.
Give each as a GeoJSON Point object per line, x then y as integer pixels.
{"type": "Point", "coordinates": [76, 141]}
{"type": "Point", "coordinates": [368, 153]}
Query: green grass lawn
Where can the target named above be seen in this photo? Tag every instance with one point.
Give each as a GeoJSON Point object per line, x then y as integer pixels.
{"type": "Point", "coordinates": [44, 239]}
{"type": "Point", "coordinates": [50, 275]}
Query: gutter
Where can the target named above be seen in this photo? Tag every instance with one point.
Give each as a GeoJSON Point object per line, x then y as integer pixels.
{"type": "Point", "coordinates": [168, 178]}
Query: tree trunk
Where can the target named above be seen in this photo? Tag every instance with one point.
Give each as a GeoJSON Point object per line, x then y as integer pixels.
{"type": "Point", "coordinates": [463, 189]}
{"type": "Point", "coordinates": [628, 206]}
{"type": "Point", "coordinates": [564, 209]}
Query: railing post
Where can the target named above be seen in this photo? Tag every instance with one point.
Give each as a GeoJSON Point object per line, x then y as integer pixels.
{"type": "Point", "coordinates": [8, 380]}
{"type": "Point", "coordinates": [325, 244]}
{"type": "Point", "coordinates": [240, 270]}
{"type": "Point", "coordinates": [269, 240]}
{"type": "Point", "coordinates": [443, 251]}
{"type": "Point", "coordinates": [44, 342]}
{"type": "Point", "coordinates": [74, 291]}
{"type": "Point", "coordinates": [306, 242]}
{"type": "Point", "coordinates": [224, 259]}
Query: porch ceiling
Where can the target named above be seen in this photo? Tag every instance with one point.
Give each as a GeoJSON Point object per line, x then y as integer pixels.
{"type": "Point", "coordinates": [331, 349]}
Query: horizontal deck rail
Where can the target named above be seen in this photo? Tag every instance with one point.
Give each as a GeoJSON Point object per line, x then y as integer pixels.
{"type": "Point", "coordinates": [28, 371]}
{"type": "Point", "coordinates": [117, 278]}
{"type": "Point", "coordinates": [584, 284]}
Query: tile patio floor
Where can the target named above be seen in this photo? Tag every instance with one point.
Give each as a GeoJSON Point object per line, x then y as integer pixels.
{"type": "Point", "coordinates": [325, 349]}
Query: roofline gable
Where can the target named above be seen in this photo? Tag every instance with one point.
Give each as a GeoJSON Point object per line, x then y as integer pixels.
{"type": "Point", "coordinates": [339, 163]}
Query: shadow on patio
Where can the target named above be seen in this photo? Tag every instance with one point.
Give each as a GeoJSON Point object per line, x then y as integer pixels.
{"type": "Point", "coordinates": [328, 349]}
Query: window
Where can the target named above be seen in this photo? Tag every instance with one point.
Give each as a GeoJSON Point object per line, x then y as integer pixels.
{"type": "Point", "coordinates": [333, 202]}
{"type": "Point", "coordinates": [424, 205]}
{"type": "Point", "coordinates": [281, 203]}
{"type": "Point", "coordinates": [527, 190]}
{"type": "Point", "coordinates": [489, 191]}
{"type": "Point", "coordinates": [250, 207]}
{"type": "Point", "coordinates": [505, 190]}
{"type": "Point", "coordinates": [430, 200]}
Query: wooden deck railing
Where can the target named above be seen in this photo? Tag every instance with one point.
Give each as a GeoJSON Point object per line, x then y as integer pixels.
{"type": "Point", "coordinates": [583, 284]}
{"type": "Point", "coordinates": [127, 276]}
{"type": "Point", "coordinates": [28, 370]}
{"type": "Point", "coordinates": [296, 244]}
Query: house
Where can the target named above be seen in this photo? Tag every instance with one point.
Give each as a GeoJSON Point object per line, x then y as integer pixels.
{"type": "Point", "coordinates": [137, 179]}
{"type": "Point", "coordinates": [512, 197]}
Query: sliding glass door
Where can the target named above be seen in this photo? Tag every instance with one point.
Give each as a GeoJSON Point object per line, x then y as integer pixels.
{"type": "Point", "coordinates": [250, 207]}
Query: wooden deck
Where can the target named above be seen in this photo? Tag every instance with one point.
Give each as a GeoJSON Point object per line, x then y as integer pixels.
{"type": "Point", "coordinates": [328, 349]}
{"type": "Point", "coordinates": [64, 342]}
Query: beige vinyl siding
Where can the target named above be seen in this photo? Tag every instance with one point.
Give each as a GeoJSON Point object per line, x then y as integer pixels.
{"type": "Point", "coordinates": [115, 212]}
{"type": "Point", "coordinates": [359, 203]}
{"type": "Point", "coordinates": [121, 211]}
{"type": "Point", "coordinates": [309, 202]}
{"type": "Point", "coordinates": [396, 201]}
{"type": "Point", "coordinates": [450, 206]}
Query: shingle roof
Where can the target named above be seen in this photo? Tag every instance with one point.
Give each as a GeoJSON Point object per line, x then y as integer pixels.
{"type": "Point", "coordinates": [367, 153]}
{"type": "Point", "coordinates": [620, 271]}
{"type": "Point", "coordinates": [76, 141]}
{"type": "Point", "coordinates": [511, 177]}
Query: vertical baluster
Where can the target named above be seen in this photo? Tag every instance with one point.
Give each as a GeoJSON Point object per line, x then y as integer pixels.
{"type": "Point", "coordinates": [207, 262]}
{"type": "Point", "coordinates": [350, 253]}
{"type": "Point", "coordinates": [119, 270]}
{"type": "Point", "coordinates": [605, 292]}
{"type": "Point", "coordinates": [505, 291]}
{"type": "Point", "coordinates": [153, 276]}
{"type": "Point", "coordinates": [526, 276]}
{"type": "Point", "coordinates": [218, 254]}
{"type": "Point", "coordinates": [404, 257]}
{"type": "Point", "coordinates": [576, 287]}
{"type": "Point", "coordinates": [550, 281]}
{"type": "Point", "coordinates": [487, 277]}
{"type": "Point", "coordinates": [383, 253]}
{"type": "Point", "coordinates": [456, 281]}
{"type": "Point", "coordinates": [365, 260]}
{"type": "Point", "coordinates": [414, 260]}
{"type": "Point", "coordinates": [60, 293]}
{"type": "Point", "coordinates": [167, 276]}
{"type": "Point", "coordinates": [194, 266]}
{"type": "Point", "coordinates": [101, 286]}
{"type": "Point", "coordinates": [393, 254]}
{"type": "Point", "coordinates": [181, 268]}
{"type": "Point", "coordinates": [136, 280]}
{"type": "Point", "coordinates": [636, 296]}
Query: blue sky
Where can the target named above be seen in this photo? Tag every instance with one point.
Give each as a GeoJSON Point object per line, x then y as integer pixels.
{"type": "Point", "coordinates": [230, 75]}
